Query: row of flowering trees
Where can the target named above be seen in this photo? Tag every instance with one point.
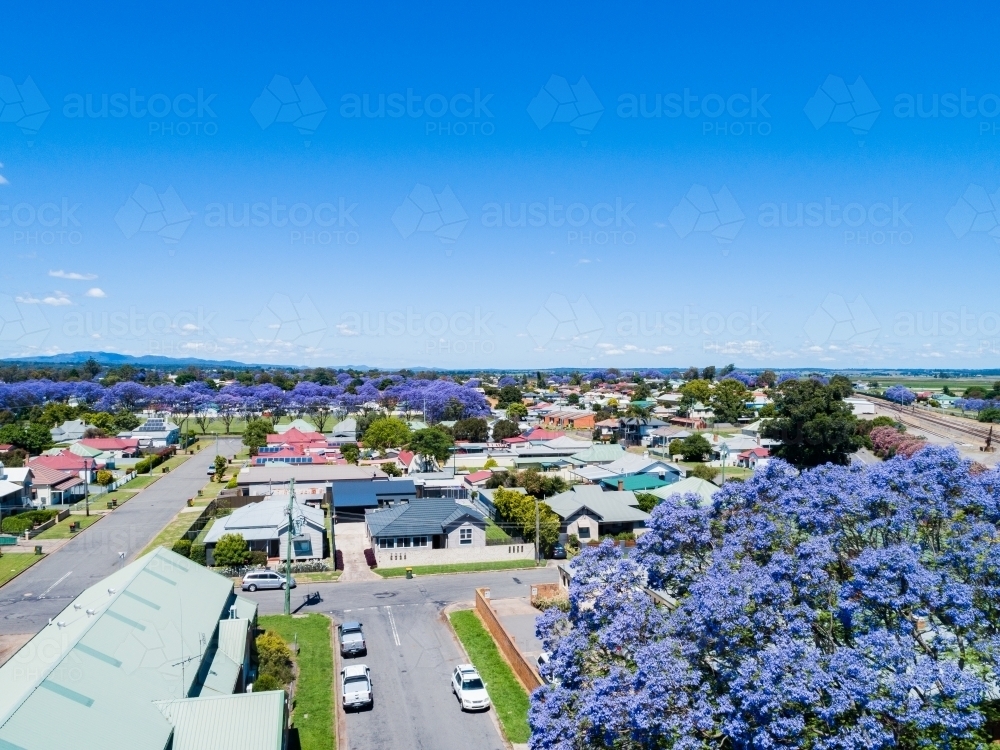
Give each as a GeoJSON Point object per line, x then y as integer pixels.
{"type": "Point", "coordinates": [838, 608]}
{"type": "Point", "coordinates": [437, 399]}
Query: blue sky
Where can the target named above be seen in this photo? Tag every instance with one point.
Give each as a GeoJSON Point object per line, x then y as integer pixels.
{"type": "Point", "coordinates": [575, 185]}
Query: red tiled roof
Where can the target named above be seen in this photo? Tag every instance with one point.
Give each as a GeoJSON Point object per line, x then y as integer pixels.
{"type": "Point", "coordinates": [478, 476]}
{"type": "Point", "coordinates": [759, 452]}
{"type": "Point", "coordinates": [46, 477]}
{"type": "Point", "coordinates": [517, 439]}
{"type": "Point", "coordinates": [295, 435]}
{"type": "Point", "coordinates": [111, 444]}
{"type": "Point", "coordinates": [537, 434]}
{"type": "Point", "coordinates": [65, 461]}
{"type": "Point", "coordinates": [405, 457]}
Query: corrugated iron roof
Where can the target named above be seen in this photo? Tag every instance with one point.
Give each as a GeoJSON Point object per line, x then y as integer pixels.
{"type": "Point", "coordinates": [232, 722]}
{"type": "Point", "coordinates": [425, 516]}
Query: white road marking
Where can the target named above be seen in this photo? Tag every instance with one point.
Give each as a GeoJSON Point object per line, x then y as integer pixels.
{"type": "Point", "coordinates": [347, 610]}
{"type": "Point", "coordinates": [392, 624]}
{"type": "Point", "coordinates": [42, 595]}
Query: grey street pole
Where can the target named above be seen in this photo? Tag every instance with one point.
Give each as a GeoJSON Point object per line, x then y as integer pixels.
{"type": "Point", "coordinates": [86, 486]}
{"type": "Point", "coordinates": [288, 553]}
{"type": "Point", "coordinates": [333, 531]}
{"type": "Point", "coordinates": [537, 541]}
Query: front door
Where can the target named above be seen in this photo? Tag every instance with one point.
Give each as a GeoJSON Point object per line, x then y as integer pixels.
{"type": "Point", "coordinates": [272, 548]}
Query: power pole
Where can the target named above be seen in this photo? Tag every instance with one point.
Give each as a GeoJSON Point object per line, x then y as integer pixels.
{"type": "Point", "coordinates": [86, 486]}
{"type": "Point", "coordinates": [288, 553]}
{"type": "Point", "coordinates": [333, 531]}
{"type": "Point", "coordinates": [537, 542]}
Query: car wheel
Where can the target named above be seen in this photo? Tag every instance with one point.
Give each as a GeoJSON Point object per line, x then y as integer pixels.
{"type": "Point", "coordinates": [252, 587]}
{"type": "Point", "coordinates": [283, 585]}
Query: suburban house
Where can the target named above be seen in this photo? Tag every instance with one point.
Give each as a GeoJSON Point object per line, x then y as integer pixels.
{"type": "Point", "coordinates": [598, 454]}
{"type": "Point", "coordinates": [638, 482]}
{"type": "Point", "coordinates": [70, 431]}
{"type": "Point", "coordinates": [477, 479]}
{"type": "Point", "coordinates": [749, 459]}
{"type": "Point", "coordinates": [54, 487]}
{"type": "Point", "coordinates": [689, 485]}
{"type": "Point", "coordinates": [344, 432]}
{"type": "Point", "coordinates": [155, 432]}
{"type": "Point", "coordinates": [113, 448]}
{"type": "Point", "coordinates": [690, 423]}
{"type": "Point", "coordinates": [147, 659]}
{"type": "Point", "coordinates": [574, 419]}
{"type": "Point", "coordinates": [83, 466]}
{"type": "Point", "coordinates": [311, 480]}
{"type": "Point", "coordinates": [296, 424]}
{"type": "Point", "coordinates": [444, 483]}
{"type": "Point", "coordinates": [862, 405]}
{"type": "Point", "coordinates": [265, 527]}
{"type": "Point", "coordinates": [589, 512]}
{"type": "Point", "coordinates": [484, 500]}
{"type": "Point", "coordinates": [607, 429]}
{"type": "Point", "coordinates": [637, 430]}
{"type": "Point", "coordinates": [435, 531]}
{"type": "Point", "coordinates": [355, 496]}
{"type": "Point", "coordinates": [14, 495]}
{"type": "Point", "coordinates": [629, 464]}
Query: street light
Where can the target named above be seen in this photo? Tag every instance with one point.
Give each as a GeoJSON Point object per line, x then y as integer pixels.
{"type": "Point", "coordinates": [724, 453]}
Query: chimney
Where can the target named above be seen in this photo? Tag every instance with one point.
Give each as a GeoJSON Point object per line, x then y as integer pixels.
{"type": "Point", "coordinates": [621, 485]}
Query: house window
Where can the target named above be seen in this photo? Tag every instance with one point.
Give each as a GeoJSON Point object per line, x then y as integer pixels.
{"type": "Point", "coordinates": [403, 541]}
{"type": "Point", "coordinates": [465, 536]}
{"type": "Point", "coordinates": [384, 543]}
{"type": "Point", "coordinates": [419, 541]}
{"type": "Point", "coordinates": [302, 546]}
{"type": "Point", "coordinates": [583, 532]}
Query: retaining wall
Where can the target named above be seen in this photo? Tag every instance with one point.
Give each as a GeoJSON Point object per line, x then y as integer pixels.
{"type": "Point", "coordinates": [523, 669]}
{"type": "Point", "coordinates": [410, 556]}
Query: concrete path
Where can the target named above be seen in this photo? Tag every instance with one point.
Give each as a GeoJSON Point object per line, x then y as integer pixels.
{"type": "Point", "coordinates": [518, 618]}
{"type": "Point", "coordinates": [352, 543]}
{"type": "Point", "coordinates": [42, 591]}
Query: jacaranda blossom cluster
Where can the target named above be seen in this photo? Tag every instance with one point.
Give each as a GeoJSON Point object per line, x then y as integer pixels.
{"type": "Point", "coordinates": [841, 608]}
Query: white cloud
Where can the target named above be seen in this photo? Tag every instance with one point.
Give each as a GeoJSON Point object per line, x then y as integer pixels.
{"type": "Point", "coordinates": [58, 299]}
{"type": "Point", "coordinates": [344, 329]}
{"type": "Point", "coordinates": [96, 292]}
{"type": "Point", "coordinates": [73, 275]}
{"type": "Point", "coordinates": [29, 300]}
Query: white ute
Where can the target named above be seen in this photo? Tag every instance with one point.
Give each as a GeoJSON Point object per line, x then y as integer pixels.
{"type": "Point", "coordinates": [469, 688]}
{"type": "Point", "coordinates": [356, 685]}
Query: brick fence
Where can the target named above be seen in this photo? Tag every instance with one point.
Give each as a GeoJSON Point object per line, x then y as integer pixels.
{"type": "Point", "coordinates": [546, 591]}
{"type": "Point", "coordinates": [526, 673]}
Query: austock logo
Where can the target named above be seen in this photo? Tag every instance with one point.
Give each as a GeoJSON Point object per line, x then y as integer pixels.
{"type": "Point", "coordinates": [560, 102]}
{"type": "Point", "coordinates": [163, 214]}
{"type": "Point", "coordinates": [838, 102]}
{"type": "Point", "coordinates": [439, 214]}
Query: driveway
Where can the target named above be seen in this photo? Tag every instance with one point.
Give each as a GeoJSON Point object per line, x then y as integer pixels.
{"type": "Point", "coordinates": [411, 653]}
{"type": "Point", "coordinates": [42, 591]}
{"type": "Point", "coordinates": [351, 543]}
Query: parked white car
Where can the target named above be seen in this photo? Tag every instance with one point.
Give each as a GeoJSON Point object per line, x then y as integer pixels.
{"type": "Point", "coordinates": [469, 688]}
{"type": "Point", "coordinates": [356, 687]}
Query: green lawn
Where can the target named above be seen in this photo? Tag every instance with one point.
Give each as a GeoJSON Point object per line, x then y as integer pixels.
{"type": "Point", "coordinates": [427, 570]}
{"type": "Point", "coordinates": [172, 531]}
{"type": "Point", "coordinates": [61, 529]}
{"type": "Point", "coordinates": [495, 532]}
{"type": "Point", "coordinates": [510, 700]}
{"type": "Point", "coordinates": [13, 563]}
{"type": "Point", "coordinates": [312, 712]}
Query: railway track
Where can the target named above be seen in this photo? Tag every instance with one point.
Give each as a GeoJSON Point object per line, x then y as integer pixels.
{"type": "Point", "coordinates": [928, 422]}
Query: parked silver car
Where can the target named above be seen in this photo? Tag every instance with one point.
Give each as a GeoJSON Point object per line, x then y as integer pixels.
{"type": "Point", "coordinates": [352, 639]}
{"type": "Point", "coordinates": [264, 579]}
{"type": "Point", "coordinates": [356, 686]}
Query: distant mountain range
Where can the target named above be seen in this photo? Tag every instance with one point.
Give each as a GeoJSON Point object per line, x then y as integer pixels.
{"type": "Point", "coordinates": [117, 360]}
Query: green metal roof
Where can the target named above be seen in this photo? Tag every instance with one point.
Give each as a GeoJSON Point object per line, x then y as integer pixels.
{"type": "Point", "coordinates": [636, 482]}
{"type": "Point", "coordinates": [599, 454]}
{"type": "Point", "coordinates": [136, 637]}
{"type": "Point", "coordinates": [231, 722]}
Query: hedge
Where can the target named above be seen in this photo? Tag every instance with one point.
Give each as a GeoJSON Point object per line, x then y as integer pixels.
{"type": "Point", "coordinates": [22, 522]}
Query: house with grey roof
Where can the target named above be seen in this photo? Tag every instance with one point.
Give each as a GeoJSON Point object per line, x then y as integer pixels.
{"type": "Point", "coordinates": [434, 531]}
{"type": "Point", "coordinates": [264, 526]}
{"type": "Point", "coordinates": [589, 512]}
{"type": "Point", "coordinates": [690, 485]}
{"type": "Point", "coordinates": [70, 431]}
{"type": "Point", "coordinates": [158, 655]}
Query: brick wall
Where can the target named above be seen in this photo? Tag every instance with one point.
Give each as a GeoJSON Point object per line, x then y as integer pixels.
{"type": "Point", "coordinates": [523, 669]}
{"type": "Point", "coordinates": [409, 556]}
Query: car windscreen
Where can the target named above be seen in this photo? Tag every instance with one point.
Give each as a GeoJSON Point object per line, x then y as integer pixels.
{"type": "Point", "coordinates": [358, 682]}
{"type": "Point", "coordinates": [474, 684]}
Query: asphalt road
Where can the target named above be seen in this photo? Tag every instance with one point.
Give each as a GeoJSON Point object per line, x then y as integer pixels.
{"type": "Point", "coordinates": [411, 653]}
{"type": "Point", "coordinates": [42, 591]}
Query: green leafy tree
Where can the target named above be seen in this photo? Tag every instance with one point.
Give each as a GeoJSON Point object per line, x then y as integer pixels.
{"type": "Point", "coordinates": [220, 467]}
{"type": "Point", "coordinates": [990, 414]}
{"type": "Point", "coordinates": [841, 384]}
{"type": "Point", "coordinates": [697, 390]}
{"type": "Point", "coordinates": [516, 411]}
{"type": "Point", "coordinates": [433, 442]}
{"type": "Point", "coordinates": [573, 399]}
{"type": "Point", "coordinates": [768, 378]}
{"type": "Point", "coordinates": [387, 432]}
{"type": "Point", "coordinates": [516, 512]}
{"type": "Point", "coordinates": [473, 429]}
{"type": "Point", "coordinates": [504, 428]}
{"type": "Point", "coordinates": [695, 448]}
{"type": "Point", "coordinates": [647, 501]}
{"type": "Point", "coordinates": [814, 425]}
{"type": "Point", "coordinates": [31, 437]}
{"type": "Point", "coordinates": [708, 373]}
{"type": "Point", "coordinates": [729, 401]}
{"type": "Point", "coordinates": [704, 471]}
{"type": "Point", "coordinates": [105, 477]}
{"type": "Point", "coordinates": [255, 434]}
{"type": "Point", "coordinates": [350, 452]}
{"type": "Point", "coordinates": [231, 550]}
{"type": "Point", "coordinates": [390, 468]}
{"type": "Point", "coordinates": [676, 448]}
{"type": "Point", "coordinates": [509, 394]}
